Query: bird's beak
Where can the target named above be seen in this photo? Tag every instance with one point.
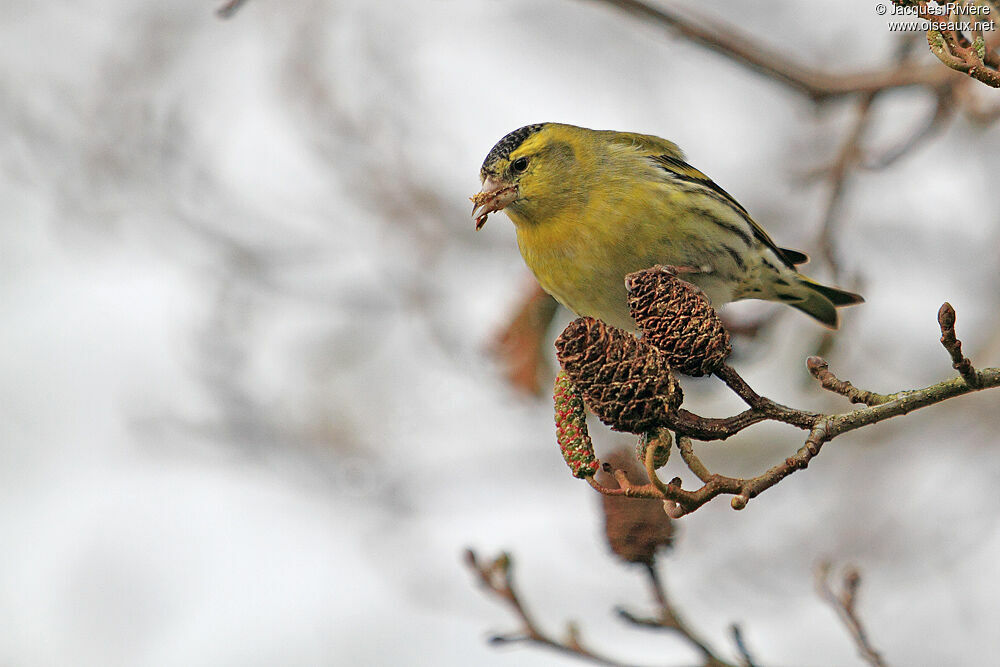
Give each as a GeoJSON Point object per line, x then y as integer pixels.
{"type": "Point", "coordinates": [493, 197]}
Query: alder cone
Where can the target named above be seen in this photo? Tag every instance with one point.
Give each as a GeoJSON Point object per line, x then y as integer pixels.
{"type": "Point", "coordinates": [677, 318]}
{"type": "Point", "coordinates": [636, 528]}
{"type": "Point", "coordinates": [626, 382]}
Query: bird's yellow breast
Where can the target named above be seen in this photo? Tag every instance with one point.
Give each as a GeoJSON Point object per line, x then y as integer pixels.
{"type": "Point", "coordinates": [581, 255]}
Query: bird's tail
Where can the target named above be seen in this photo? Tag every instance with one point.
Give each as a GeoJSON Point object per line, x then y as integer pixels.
{"type": "Point", "coordinates": [821, 301]}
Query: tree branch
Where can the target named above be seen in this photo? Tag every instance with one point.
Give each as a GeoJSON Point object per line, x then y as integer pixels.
{"type": "Point", "coordinates": [497, 578]}
{"type": "Point", "coordinates": [669, 619]}
{"type": "Point", "coordinates": [821, 427]}
{"type": "Point", "coordinates": [844, 605]}
{"type": "Point", "coordinates": [820, 370]}
{"type": "Point", "coordinates": [970, 54]}
{"type": "Point", "coordinates": [818, 85]}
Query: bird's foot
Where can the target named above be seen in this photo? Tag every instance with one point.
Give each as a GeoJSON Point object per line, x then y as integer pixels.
{"type": "Point", "coordinates": [681, 271]}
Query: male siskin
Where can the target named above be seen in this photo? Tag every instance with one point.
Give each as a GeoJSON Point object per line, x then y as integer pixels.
{"type": "Point", "coordinates": [590, 206]}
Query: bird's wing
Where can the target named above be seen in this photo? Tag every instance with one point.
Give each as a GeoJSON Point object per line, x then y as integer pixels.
{"type": "Point", "coordinates": [681, 170]}
{"type": "Point", "coordinates": [645, 144]}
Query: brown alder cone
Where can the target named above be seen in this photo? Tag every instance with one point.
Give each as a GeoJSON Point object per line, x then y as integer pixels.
{"type": "Point", "coordinates": [677, 318]}
{"type": "Point", "coordinates": [636, 528]}
{"type": "Point", "coordinates": [626, 382]}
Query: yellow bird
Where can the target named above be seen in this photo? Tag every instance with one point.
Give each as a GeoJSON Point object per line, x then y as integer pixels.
{"type": "Point", "coordinates": [590, 206]}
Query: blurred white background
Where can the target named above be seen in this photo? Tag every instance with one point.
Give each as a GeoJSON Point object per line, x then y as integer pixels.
{"type": "Point", "coordinates": [248, 413]}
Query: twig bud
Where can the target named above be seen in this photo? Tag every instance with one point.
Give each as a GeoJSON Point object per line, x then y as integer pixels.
{"type": "Point", "coordinates": [816, 364]}
{"type": "Point", "coordinates": [946, 316]}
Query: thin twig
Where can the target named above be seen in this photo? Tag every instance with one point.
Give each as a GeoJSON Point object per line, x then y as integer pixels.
{"type": "Point", "coordinates": [727, 374]}
{"type": "Point", "coordinates": [824, 430]}
{"type": "Point", "coordinates": [669, 619]}
{"type": "Point", "coordinates": [973, 56]}
{"type": "Point", "coordinates": [838, 175]}
{"type": "Point", "coordinates": [944, 109]}
{"type": "Point", "coordinates": [844, 605]}
{"type": "Point", "coordinates": [650, 464]}
{"type": "Point", "coordinates": [497, 577]}
{"type": "Point", "coordinates": [741, 646]}
{"type": "Point", "coordinates": [692, 461]}
{"type": "Point", "coordinates": [961, 363]}
{"type": "Point", "coordinates": [820, 370]}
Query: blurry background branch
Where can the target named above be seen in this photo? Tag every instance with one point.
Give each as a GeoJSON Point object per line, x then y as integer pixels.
{"type": "Point", "coordinates": [824, 86]}
{"type": "Point", "coordinates": [637, 531]}
{"type": "Point", "coordinates": [844, 604]}
{"type": "Point", "coordinates": [498, 578]}
{"type": "Point", "coordinates": [231, 7]}
{"type": "Point", "coordinates": [818, 85]}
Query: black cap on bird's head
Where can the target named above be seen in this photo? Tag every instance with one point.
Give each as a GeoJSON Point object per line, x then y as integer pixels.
{"type": "Point", "coordinates": [496, 194]}
{"type": "Point", "coordinates": [507, 145]}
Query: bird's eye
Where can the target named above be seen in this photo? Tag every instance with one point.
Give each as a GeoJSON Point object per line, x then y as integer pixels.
{"type": "Point", "coordinates": [519, 165]}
